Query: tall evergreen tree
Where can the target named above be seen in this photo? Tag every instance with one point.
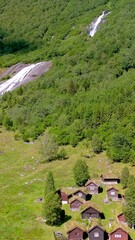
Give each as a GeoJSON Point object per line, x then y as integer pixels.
{"type": "Point", "coordinates": [129, 209]}
{"type": "Point", "coordinates": [124, 177]}
{"type": "Point", "coordinates": [49, 184]}
{"type": "Point", "coordinates": [81, 173]}
{"type": "Point", "coordinates": [52, 204]}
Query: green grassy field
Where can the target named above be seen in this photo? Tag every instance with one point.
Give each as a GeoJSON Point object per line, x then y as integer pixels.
{"type": "Point", "coordinates": [22, 182]}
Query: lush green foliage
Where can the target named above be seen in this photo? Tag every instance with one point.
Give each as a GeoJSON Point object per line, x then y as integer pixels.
{"type": "Point", "coordinates": [130, 200]}
{"type": "Point", "coordinates": [49, 184]}
{"type": "Point", "coordinates": [124, 177]}
{"type": "Point", "coordinates": [90, 88]}
{"type": "Point", "coordinates": [52, 204]}
{"type": "Point", "coordinates": [49, 147]}
{"type": "Point", "coordinates": [96, 144]}
{"type": "Point", "coordinates": [81, 173]}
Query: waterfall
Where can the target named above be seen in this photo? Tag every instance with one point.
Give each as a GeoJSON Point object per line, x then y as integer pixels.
{"type": "Point", "coordinates": [95, 24]}
{"type": "Point", "coordinates": [15, 80]}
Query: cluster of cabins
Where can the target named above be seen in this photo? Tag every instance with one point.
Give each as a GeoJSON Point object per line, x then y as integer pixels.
{"type": "Point", "coordinates": [79, 199]}
{"type": "Point", "coordinates": [96, 233]}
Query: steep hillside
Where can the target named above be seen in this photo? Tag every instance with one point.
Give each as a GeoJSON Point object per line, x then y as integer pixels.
{"type": "Point", "coordinates": [91, 86]}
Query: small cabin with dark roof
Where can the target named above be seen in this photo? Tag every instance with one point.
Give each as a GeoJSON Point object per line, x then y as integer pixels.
{"type": "Point", "coordinates": [95, 233]}
{"type": "Point", "coordinates": [76, 233]}
{"type": "Point", "coordinates": [92, 187]}
{"type": "Point", "coordinates": [112, 193]}
{"type": "Point", "coordinates": [118, 234]}
{"type": "Point", "coordinates": [81, 194]}
{"type": "Point", "coordinates": [110, 179]}
{"type": "Point", "coordinates": [90, 212]}
{"type": "Point", "coordinates": [75, 203]}
{"type": "Point", "coordinates": [121, 218]}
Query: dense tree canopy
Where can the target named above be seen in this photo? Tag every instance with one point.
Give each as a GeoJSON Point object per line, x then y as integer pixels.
{"type": "Point", "coordinates": [91, 86]}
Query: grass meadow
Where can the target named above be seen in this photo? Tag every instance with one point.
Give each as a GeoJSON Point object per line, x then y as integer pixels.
{"type": "Point", "coordinates": [22, 183]}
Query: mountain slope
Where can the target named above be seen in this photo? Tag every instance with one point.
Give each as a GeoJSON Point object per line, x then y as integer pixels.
{"type": "Point", "coordinates": [90, 88]}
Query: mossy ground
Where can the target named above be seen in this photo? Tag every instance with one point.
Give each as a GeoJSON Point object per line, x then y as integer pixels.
{"type": "Point", "coordinates": [22, 182]}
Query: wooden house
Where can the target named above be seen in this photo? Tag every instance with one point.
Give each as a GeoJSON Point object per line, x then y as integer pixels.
{"type": "Point", "coordinates": [90, 212]}
{"type": "Point", "coordinates": [75, 203]}
{"type": "Point", "coordinates": [65, 194]}
{"type": "Point", "coordinates": [76, 233]}
{"type": "Point", "coordinates": [118, 234]}
{"type": "Point", "coordinates": [112, 193]}
{"type": "Point", "coordinates": [96, 232]}
{"type": "Point", "coordinates": [81, 194]}
{"type": "Point", "coordinates": [109, 179]}
{"type": "Point", "coordinates": [92, 187]}
{"type": "Point", "coordinates": [121, 218]}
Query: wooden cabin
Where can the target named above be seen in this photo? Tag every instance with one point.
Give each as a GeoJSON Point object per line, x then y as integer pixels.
{"type": "Point", "coordinates": [75, 203]}
{"type": "Point", "coordinates": [81, 194]}
{"type": "Point", "coordinates": [118, 234]}
{"type": "Point", "coordinates": [76, 233]}
{"type": "Point", "coordinates": [121, 218]}
{"type": "Point", "coordinates": [90, 212]}
{"type": "Point", "coordinates": [96, 232]}
{"type": "Point", "coordinates": [92, 187]}
{"type": "Point", "coordinates": [109, 179]}
{"type": "Point", "coordinates": [112, 193]}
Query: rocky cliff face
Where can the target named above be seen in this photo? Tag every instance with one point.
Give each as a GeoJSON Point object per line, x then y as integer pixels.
{"type": "Point", "coordinates": [22, 73]}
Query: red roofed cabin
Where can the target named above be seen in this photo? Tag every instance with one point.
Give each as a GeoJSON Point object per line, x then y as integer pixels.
{"type": "Point", "coordinates": [118, 234]}
{"type": "Point", "coordinates": [76, 234]}
{"type": "Point", "coordinates": [112, 193]}
{"type": "Point", "coordinates": [75, 204]}
{"type": "Point", "coordinates": [122, 219]}
{"type": "Point", "coordinates": [92, 187]}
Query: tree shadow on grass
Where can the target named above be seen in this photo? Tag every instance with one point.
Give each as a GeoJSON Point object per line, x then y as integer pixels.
{"type": "Point", "coordinates": [64, 219]}
{"type": "Point", "coordinates": [8, 46]}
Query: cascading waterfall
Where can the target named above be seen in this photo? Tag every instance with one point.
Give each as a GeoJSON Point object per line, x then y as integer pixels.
{"type": "Point", "coordinates": [15, 80]}
{"type": "Point", "coordinates": [95, 24]}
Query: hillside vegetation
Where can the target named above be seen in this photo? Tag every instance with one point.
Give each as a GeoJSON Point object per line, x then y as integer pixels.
{"type": "Point", "coordinates": [91, 86]}
{"type": "Point", "coordinates": [23, 182]}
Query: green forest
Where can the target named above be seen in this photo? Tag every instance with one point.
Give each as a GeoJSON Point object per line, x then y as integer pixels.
{"type": "Point", "coordinates": [89, 91]}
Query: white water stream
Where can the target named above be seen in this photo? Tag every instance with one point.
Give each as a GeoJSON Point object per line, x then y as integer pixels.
{"type": "Point", "coordinates": [19, 77]}
{"type": "Point", "coordinates": [95, 24]}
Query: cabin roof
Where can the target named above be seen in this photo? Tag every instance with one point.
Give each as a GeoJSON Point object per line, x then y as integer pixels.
{"type": "Point", "coordinates": [84, 191]}
{"type": "Point", "coordinates": [110, 188]}
{"type": "Point", "coordinates": [90, 181]}
{"type": "Point", "coordinates": [90, 206]}
{"type": "Point", "coordinates": [94, 226]}
{"type": "Point", "coordinates": [74, 198]}
{"type": "Point", "coordinates": [74, 229]}
{"type": "Point", "coordinates": [119, 228]}
{"type": "Point", "coordinates": [72, 224]}
{"type": "Point", "coordinates": [110, 176]}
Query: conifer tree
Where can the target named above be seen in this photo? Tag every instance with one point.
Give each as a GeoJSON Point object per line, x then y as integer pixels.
{"type": "Point", "coordinates": [124, 177]}
{"type": "Point", "coordinates": [49, 184]}
{"type": "Point", "coordinates": [129, 209]}
{"type": "Point", "coordinates": [52, 204]}
{"type": "Point", "coordinates": [80, 171]}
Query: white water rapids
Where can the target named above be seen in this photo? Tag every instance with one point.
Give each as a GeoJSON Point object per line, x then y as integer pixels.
{"type": "Point", "coordinates": [15, 80]}
{"type": "Point", "coordinates": [95, 24]}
